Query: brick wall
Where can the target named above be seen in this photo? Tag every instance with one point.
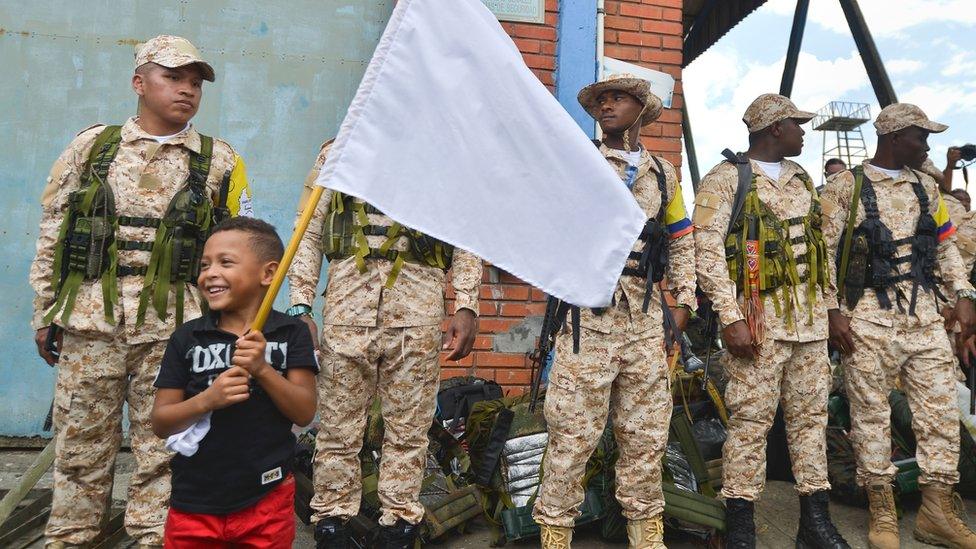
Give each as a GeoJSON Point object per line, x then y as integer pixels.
{"type": "Point", "coordinates": [645, 32]}
{"type": "Point", "coordinates": [648, 33]}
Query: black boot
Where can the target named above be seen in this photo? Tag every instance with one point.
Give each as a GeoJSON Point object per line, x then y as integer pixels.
{"type": "Point", "coordinates": [740, 524]}
{"type": "Point", "coordinates": [816, 530]}
{"type": "Point", "coordinates": [399, 536]}
{"type": "Point", "coordinates": [330, 533]}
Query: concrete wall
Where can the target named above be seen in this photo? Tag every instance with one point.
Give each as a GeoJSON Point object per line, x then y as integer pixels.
{"type": "Point", "coordinates": [286, 72]}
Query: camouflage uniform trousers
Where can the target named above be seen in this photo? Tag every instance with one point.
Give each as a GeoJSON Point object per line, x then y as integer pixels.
{"type": "Point", "coordinates": [95, 376]}
{"type": "Point", "coordinates": [921, 356]}
{"type": "Point", "coordinates": [400, 365]}
{"type": "Point", "coordinates": [623, 375]}
{"type": "Point", "coordinates": [796, 375]}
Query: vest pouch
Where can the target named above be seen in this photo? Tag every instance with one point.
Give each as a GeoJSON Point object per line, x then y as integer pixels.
{"type": "Point", "coordinates": [657, 241]}
{"type": "Point", "coordinates": [858, 273]}
{"type": "Point", "coordinates": [88, 244]}
{"type": "Point", "coordinates": [338, 233]}
{"type": "Point", "coordinates": [429, 250]}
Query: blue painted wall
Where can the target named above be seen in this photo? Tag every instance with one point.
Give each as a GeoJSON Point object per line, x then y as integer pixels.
{"type": "Point", "coordinates": [286, 72]}
{"type": "Point", "coordinates": [576, 57]}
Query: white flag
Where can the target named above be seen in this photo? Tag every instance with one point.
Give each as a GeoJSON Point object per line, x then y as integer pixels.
{"type": "Point", "coordinates": [451, 134]}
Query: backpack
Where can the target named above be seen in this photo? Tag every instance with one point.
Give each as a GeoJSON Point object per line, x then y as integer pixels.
{"type": "Point", "coordinates": [449, 501]}
{"type": "Point", "coordinates": [506, 444]}
{"type": "Point", "coordinates": [458, 394]}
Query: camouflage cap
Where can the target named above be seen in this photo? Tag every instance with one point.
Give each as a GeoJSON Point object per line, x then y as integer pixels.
{"type": "Point", "coordinates": [898, 116]}
{"type": "Point", "coordinates": [172, 52]}
{"type": "Point", "coordinates": [638, 87]}
{"type": "Point", "coordinates": [769, 108]}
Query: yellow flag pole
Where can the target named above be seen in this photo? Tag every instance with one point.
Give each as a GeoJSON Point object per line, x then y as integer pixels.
{"type": "Point", "coordinates": [286, 260]}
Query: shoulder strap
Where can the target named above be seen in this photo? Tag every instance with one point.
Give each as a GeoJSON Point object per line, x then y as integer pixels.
{"type": "Point", "coordinates": [662, 185]}
{"type": "Point", "coordinates": [200, 162]}
{"type": "Point", "coordinates": [923, 197]}
{"type": "Point", "coordinates": [845, 254]}
{"type": "Point", "coordinates": [743, 186]}
{"type": "Point", "coordinates": [103, 152]}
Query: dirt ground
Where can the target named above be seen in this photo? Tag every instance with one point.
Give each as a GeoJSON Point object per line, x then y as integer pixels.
{"type": "Point", "coordinates": [776, 514]}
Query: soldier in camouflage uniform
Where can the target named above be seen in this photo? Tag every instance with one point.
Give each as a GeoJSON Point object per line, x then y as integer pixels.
{"type": "Point", "coordinates": [619, 368]}
{"type": "Point", "coordinates": [774, 327]}
{"type": "Point", "coordinates": [888, 326]}
{"type": "Point", "coordinates": [107, 355]}
{"type": "Point", "coordinates": [381, 338]}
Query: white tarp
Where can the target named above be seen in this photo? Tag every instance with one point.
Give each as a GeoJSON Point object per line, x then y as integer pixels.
{"type": "Point", "coordinates": [451, 134]}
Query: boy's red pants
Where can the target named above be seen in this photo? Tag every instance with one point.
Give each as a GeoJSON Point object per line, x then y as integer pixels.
{"type": "Point", "coordinates": [269, 523]}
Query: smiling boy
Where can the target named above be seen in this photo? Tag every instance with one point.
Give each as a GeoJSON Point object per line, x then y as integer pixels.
{"type": "Point", "coordinates": [235, 487]}
{"type": "Point", "coordinates": [118, 201]}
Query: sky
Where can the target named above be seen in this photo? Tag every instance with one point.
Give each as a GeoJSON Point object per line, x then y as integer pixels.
{"type": "Point", "coordinates": [928, 48]}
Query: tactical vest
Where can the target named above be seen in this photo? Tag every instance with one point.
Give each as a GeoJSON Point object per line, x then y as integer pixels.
{"type": "Point", "coordinates": [652, 263]}
{"type": "Point", "coordinates": [869, 256]}
{"type": "Point", "coordinates": [87, 247]}
{"type": "Point", "coordinates": [758, 231]}
{"type": "Point", "coordinates": [347, 226]}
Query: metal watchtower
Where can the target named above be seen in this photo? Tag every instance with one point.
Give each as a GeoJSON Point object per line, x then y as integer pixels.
{"type": "Point", "coordinates": [840, 122]}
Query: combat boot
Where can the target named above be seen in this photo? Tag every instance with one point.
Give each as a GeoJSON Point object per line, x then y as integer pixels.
{"type": "Point", "coordinates": [555, 537]}
{"type": "Point", "coordinates": [646, 534]}
{"type": "Point", "coordinates": [330, 533]}
{"type": "Point", "coordinates": [740, 524]}
{"type": "Point", "coordinates": [883, 527]}
{"type": "Point", "coordinates": [938, 521]}
{"type": "Point", "coordinates": [816, 529]}
{"type": "Point", "coordinates": [401, 535]}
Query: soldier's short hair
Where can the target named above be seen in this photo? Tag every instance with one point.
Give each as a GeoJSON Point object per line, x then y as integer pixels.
{"type": "Point", "coordinates": [264, 239]}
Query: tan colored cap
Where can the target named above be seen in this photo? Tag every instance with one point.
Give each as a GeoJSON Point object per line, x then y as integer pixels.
{"type": "Point", "coordinates": [898, 116]}
{"type": "Point", "coordinates": [172, 52]}
{"type": "Point", "coordinates": [770, 108]}
{"type": "Point", "coordinates": [638, 87]}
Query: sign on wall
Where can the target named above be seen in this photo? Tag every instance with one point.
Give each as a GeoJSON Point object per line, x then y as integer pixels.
{"type": "Point", "coordinates": [662, 83]}
{"type": "Point", "coordinates": [523, 11]}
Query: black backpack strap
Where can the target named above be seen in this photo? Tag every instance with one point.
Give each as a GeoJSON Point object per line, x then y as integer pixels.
{"type": "Point", "coordinates": [742, 188]}
{"type": "Point", "coordinates": [493, 450]}
{"type": "Point", "coordinates": [662, 185]}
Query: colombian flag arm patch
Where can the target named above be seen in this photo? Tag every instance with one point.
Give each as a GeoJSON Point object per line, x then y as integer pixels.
{"type": "Point", "coordinates": [942, 221]}
{"type": "Point", "coordinates": [676, 217]}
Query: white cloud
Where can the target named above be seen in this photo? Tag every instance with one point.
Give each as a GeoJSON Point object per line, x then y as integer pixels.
{"type": "Point", "coordinates": [935, 73]}
{"type": "Point", "coordinates": [900, 67]}
{"type": "Point", "coordinates": [885, 18]}
{"type": "Point", "coordinates": [939, 99]}
{"type": "Point", "coordinates": [963, 63]}
{"type": "Point", "coordinates": [721, 84]}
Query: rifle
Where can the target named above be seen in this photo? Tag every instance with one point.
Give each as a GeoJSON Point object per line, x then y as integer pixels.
{"type": "Point", "coordinates": [551, 323]}
{"type": "Point", "coordinates": [51, 341]}
{"type": "Point", "coordinates": [743, 185]}
{"type": "Point", "coordinates": [51, 346]}
{"type": "Point", "coordinates": [971, 382]}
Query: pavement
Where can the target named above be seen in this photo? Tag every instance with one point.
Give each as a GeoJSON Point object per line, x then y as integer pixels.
{"type": "Point", "coordinates": [776, 514]}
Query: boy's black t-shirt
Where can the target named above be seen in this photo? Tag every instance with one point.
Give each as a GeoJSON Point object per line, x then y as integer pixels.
{"type": "Point", "coordinates": [249, 447]}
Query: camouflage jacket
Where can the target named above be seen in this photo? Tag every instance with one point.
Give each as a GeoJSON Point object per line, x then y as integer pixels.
{"type": "Point", "coordinates": [681, 253]}
{"type": "Point", "coordinates": [360, 299]}
{"type": "Point", "coordinates": [144, 177]}
{"type": "Point", "coordinates": [787, 197]}
{"type": "Point", "coordinates": [899, 210]}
